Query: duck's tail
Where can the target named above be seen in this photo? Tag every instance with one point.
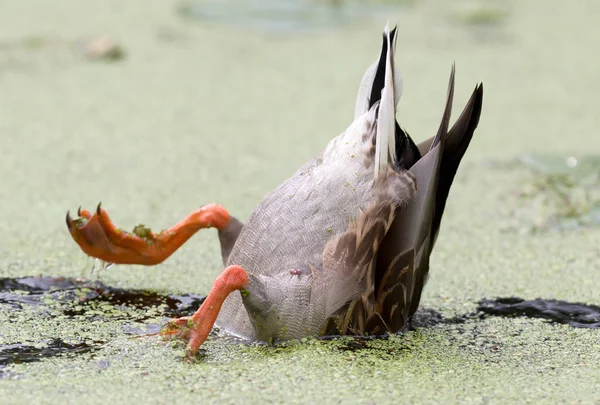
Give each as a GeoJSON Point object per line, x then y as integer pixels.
{"type": "Point", "coordinates": [382, 83]}
{"type": "Point", "coordinates": [373, 81]}
{"type": "Point", "coordinates": [385, 145]}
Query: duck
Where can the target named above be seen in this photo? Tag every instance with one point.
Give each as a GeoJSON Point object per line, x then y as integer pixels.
{"type": "Point", "coordinates": [342, 247]}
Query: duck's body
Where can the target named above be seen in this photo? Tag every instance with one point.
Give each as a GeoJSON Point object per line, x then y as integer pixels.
{"type": "Point", "coordinates": [282, 244]}
{"type": "Point", "coordinates": [342, 246]}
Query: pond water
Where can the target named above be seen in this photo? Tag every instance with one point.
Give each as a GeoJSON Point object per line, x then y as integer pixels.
{"type": "Point", "coordinates": [155, 108]}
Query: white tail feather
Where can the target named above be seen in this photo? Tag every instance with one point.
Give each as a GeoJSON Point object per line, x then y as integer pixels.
{"type": "Point", "coordinates": [397, 76]}
{"type": "Point", "coordinates": [366, 84]}
{"type": "Point", "coordinates": [385, 148]}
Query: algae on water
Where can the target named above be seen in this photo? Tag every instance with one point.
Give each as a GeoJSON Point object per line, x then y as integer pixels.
{"type": "Point", "coordinates": [563, 192]}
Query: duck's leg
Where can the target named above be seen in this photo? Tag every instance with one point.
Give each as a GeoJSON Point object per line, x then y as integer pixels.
{"type": "Point", "coordinates": [195, 328]}
{"type": "Point", "coordinates": [97, 236]}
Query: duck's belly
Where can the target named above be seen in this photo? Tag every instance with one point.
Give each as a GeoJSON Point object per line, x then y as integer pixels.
{"type": "Point", "coordinates": [283, 237]}
{"type": "Point", "coordinates": [288, 230]}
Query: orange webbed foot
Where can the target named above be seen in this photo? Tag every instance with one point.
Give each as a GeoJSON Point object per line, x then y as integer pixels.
{"type": "Point", "coordinates": [98, 237]}
{"type": "Point", "coordinates": [195, 329]}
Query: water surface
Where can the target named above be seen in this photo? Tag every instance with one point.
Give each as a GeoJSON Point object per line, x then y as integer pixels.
{"type": "Point", "coordinates": [201, 112]}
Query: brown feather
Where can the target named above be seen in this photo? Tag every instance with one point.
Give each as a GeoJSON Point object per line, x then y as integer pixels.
{"type": "Point", "coordinates": [375, 325]}
{"type": "Point", "coordinates": [400, 278]}
{"type": "Point", "coordinates": [363, 238]}
{"type": "Point", "coordinates": [455, 146]}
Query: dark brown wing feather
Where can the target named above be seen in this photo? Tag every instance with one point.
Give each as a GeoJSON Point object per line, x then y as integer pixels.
{"type": "Point", "coordinates": [411, 229]}
{"type": "Point", "coordinates": [403, 260]}
{"type": "Point", "coordinates": [456, 145]}
{"type": "Point", "coordinates": [352, 254]}
{"type": "Point", "coordinates": [392, 250]}
{"type": "Point", "coordinates": [390, 313]}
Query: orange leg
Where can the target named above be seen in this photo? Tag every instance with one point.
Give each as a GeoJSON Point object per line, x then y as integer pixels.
{"type": "Point", "coordinates": [97, 236]}
{"type": "Point", "coordinates": [195, 329]}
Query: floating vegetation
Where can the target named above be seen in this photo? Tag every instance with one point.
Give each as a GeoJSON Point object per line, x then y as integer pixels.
{"type": "Point", "coordinates": [372, 344]}
{"type": "Point", "coordinates": [75, 297]}
{"type": "Point", "coordinates": [557, 193]}
{"type": "Point", "coordinates": [18, 353]}
{"type": "Point", "coordinates": [484, 21]}
{"type": "Point", "coordinates": [286, 16]}
{"type": "Point", "coordinates": [484, 16]}
{"type": "Point", "coordinates": [84, 301]}
{"type": "Point", "coordinates": [566, 191]}
{"type": "Point", "coordinates": [144, 312]}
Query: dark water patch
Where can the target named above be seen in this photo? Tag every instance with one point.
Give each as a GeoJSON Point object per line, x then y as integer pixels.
{"type": "Point", "coordinates": [18, 353]}
{"type": "Point", "coordinates": [29, 290]}
{"type": "Point", "coordinates": [37, 284]}
{"type": "Point", "coordinates": [145, 304]}
{"type": "Point", "coordinates": [57, 298]}
{"type": "Point", "coordinates": [577, 315]}
{"type": "Point", "coordinates": [423, 318]}
{"type": "Point", "coordinates": [75, 297]}
{"type": "Point", "coordinates": [381, 346]}
{"type": "Point", "coordinates": [141, 312]}
{"type": "Point", "coordinates": [356, 343]}
{"type": "Point", "coordinates": [427, 317]}
{"type": "Point", "coordinates": [574, 314]}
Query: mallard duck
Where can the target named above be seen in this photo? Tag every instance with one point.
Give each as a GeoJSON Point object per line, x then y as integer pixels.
{"type": "Point", "coordinates": [340, 247]}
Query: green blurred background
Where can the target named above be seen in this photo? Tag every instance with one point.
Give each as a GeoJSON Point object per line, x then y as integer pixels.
{"type": "Point", "coordinates": [155, 108]}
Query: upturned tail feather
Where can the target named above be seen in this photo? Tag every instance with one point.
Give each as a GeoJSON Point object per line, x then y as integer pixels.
{"type": "Point", "coordinates": [406, 152]}
{"type": "Point", "coordinates": [385, 145]}
{"type": "Point", "coordinates": [397, 275]}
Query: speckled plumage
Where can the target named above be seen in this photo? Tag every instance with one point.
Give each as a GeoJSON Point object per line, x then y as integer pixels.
{"type": "Point", "coordinates": [311, 247]}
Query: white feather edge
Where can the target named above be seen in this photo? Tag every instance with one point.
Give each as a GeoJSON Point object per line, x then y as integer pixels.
{"type": "Point", "coordinates": [385, 147]}
{"type": "Point", "coordinates": [364, 90]}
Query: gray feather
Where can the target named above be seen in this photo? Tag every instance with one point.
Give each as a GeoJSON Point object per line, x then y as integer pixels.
{"type": "Point", "coordinates": [343, 245]}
